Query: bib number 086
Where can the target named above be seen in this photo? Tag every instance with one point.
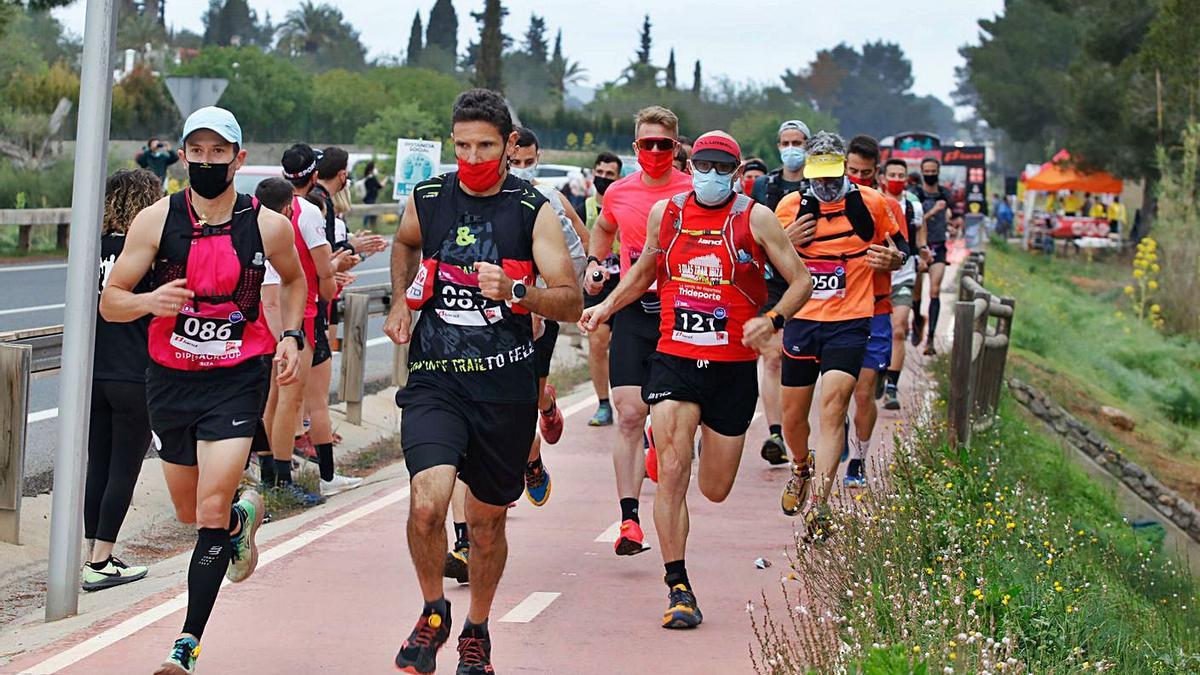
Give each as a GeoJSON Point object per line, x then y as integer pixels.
{"type": "Point", "coordinates": [204, 331]}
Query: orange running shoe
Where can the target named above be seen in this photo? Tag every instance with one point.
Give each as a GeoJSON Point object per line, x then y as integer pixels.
{"type": "Point", "coordinates": [629, 541]}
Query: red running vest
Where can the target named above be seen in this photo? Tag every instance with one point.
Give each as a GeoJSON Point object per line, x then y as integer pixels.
{"type": "Point", "coordinates": [710, 279]}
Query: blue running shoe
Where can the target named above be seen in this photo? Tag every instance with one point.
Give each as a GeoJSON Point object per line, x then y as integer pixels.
{"type": "Point", "coordinates": [182, 659]}
{"type": "Point", "coordinates": [537, 483]}
{"type": "Point", "coordinates": [856, 474]}
{"type": "Point", "coordinates": [603, 416]}
{"type": "Point", "coordinates": [301, 496]}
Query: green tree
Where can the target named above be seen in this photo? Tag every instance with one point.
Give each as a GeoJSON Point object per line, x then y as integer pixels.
{"type": "Point", "coordinates": [696, 82]}
{"type": "Point", "coordinates": [135, 31]}
{"type": "Point", "coordinates": [344, 101]}
{"type": "Point", "coordinates": [405, 120]}
{"type": "Point", "coordinates": [535, 39]}
{"type": "Point", "coordinates": [232, 22]}
{"type": "Point", "coordinates": [431, 91]}
{"type": "Point", "coordinates": [141, 105]}
{"type": "Point", "coordinates": [644, 42]}
{"type": "Point", "coordinates": [488, 65]}
{"type": "Point", "coordinates": [670, 76]}
{"type": "Point", "coordinates": [413, 55]}
{"type": "Point", "coordinates": [270, 94]}
{"type": "Point", "coordinates": [757, 131]}
{"type": "Point", "coordinates": [562, 71]}
{"type": "Point", "coordinates": [441, 38]}
{"type": "Point", "coordinates": [320, 35]}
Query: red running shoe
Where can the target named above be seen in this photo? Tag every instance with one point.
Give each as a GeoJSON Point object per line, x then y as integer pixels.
{"type": "Point", "coordinates": [629, 541]}
{"type": "Point", "coordinates": [303, 448]}
{"type": "Point", "coordinates": [651, 456]}
{"type": "Point", "coordinates": [551, 424]}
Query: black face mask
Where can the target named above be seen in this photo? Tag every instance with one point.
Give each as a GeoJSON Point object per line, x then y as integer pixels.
{"type": "Point", "coordinates": [931, 180]}
{"type": "Point", "coordinates": [209, 180]}
{"type": "Point", "coordinates": [602, 183]}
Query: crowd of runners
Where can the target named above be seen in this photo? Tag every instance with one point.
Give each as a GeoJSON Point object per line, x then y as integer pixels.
{"type": "Point", "coordinates": [703, 280]}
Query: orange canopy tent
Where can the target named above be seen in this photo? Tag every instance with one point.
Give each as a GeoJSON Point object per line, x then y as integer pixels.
{"type": "Point", "coordinates": [1055, 178]}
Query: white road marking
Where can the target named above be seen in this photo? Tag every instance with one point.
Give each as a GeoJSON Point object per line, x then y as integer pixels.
{"type": "Point", "coordinates": [147, 617]}
{"type": "Point", "coordinates": [586, 403]}
{"type": "Point", "coordinates": [610, 535]}
{"type": "Point", "coordinates": [30, 268]}
{"type": "Point", "coordinates": [35, 308]}
{"type": "Point", "coordinates": [378, 270]}
{"type": "Point", "coordinates": [41, 415]}
{"type": "Point", "coordinates": [530, 607]}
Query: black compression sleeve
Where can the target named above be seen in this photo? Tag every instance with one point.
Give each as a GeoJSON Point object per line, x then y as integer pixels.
{"type": "Point", "coordinates": [902, 243]}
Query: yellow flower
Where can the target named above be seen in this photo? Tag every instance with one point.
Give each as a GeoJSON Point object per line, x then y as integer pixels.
{"type": "Point", "coordinates": [1138, 273]}
{"type": "Point", "coordinates": [1005, 599]}
{"type": "Point", "coordinates": [916, 649]}
{"type": "Point", "coordinates": [1155, 268]}
{"type": "Point", "coordinates": [1155, 309]}
{"type": "Point", "coordinates": [949, 485]}
{"type": "Point", "coordinates": [1129, 290]}
{"type": "Point", "coordinates": [1153, 284]}
{"type": "Point", "coordinates": [1070, 609]}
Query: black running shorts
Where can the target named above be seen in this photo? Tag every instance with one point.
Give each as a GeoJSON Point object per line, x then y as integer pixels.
{"type": "Point", "coordinates": [321, 351]}
{"type": "Point", "coordinates": [938, 250]}
{"type": "Point", "coordinates": [543, 349]}
{"type": "Point", "coordinates": [726, 391]}
{"type": "Point", "coordinates": [488, 442]}
{"type": "Point", "coordinates": [210, 405]}
{"type": "Point", "coordinates": [634, 339]}
{"type": "Point", "coordinates": [812, 348]}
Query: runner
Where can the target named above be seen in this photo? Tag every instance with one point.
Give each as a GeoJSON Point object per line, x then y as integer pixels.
{"type": "Point", "coordinates": [903, 278]}
{"type": "Point", "coordinates": [828, 336]}
{"type": "Point", "coordinates": [935, 199]}
{"type": "Point", "coordinates": [211, 351]}
{"type": "Point", "coordinates": [523, 163]}
{"type": "Point", "coordinates": [768, 190]}
{"type": "Point", "coordinates": [466, 249]}
{"type": "Point", "coordinates": [119, 431]}
{"type": "Point", "coordinates": [627, 205]}
{"type": "Point", "coordinates": [862, 162]}
{"type": "Point", "coordinates": [605, 171]}
{"type": "Point", "coordinates": [706, 248]}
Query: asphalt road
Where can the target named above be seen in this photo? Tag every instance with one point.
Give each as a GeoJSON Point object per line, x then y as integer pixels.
{"type": "Point", "coordinates": [34, 297]}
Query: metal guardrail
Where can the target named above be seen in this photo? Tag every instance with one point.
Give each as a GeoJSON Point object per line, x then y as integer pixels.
{"type": "Point", "coordinates": [980, 351]}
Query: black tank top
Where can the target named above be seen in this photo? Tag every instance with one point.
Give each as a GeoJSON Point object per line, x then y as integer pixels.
{"type": "Point", "coordinates": [121, 352]}
{"type": "Point", "coordinates": [478, 349]}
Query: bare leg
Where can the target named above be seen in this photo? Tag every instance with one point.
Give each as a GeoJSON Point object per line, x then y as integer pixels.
{"type": "Point", "coordinates": [836, 389]}
{"type": "Point", "coordinates": [598, 359]}
{"type": "Point", "coordinates": [768, 382]}
{"type": "Point", "coordinates": [628, 459]}
{"type": "Point", "coordinates": [675, 425]}
{"type": "Point", "coordinates": [287, 412]}
{"type": "Point", "coordinates": [458, 502]}
{"type": "Point", "coordinates": [900, 315]}
{"type": "Point", "coordinates": [429, 497]}
{"type": "Point", "coordinates": [719, 463]}
{"type": "Point", "coordinates": [489, 552]}
{"type": "Point", "coordinates": [316, 402]}
{"type": "Point", "coordinates": [797, 403]}
{"type": "Point", "coordinates": [865, 410]}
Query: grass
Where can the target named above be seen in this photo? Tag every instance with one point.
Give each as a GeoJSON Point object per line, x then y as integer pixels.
{"type": "Point", "coordinates": [1075, 338]}
{"type": "Point", "coordinates": [1001, 557]}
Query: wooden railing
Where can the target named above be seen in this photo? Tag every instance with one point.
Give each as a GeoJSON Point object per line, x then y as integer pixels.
{"type": "Point", "coordinates": [980, 351]}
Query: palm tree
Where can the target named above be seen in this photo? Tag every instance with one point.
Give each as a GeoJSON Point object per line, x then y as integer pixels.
{"type": "Point", "coordinates": [309, 28]}
{"type": "Point", "coordinates": [564, 73]}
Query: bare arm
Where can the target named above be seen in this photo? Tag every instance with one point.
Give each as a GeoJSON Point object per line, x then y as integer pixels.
{"type": "Point", "coordinates": [638, 279]}
{"type": "Point", "coordinates": [406, 256]}
{"type": "Point", "coordinates": [561, 300]}
{"type": "Point", "coordinates": [938, 207]}
{"type": "Point", "coordinates": [576, 221]}
{"type": "Point", "coordinates": [279, 243]}
{"type": "Point", "coordinates": [323, 260]}
{"type": "Point", "coordinates": [599, 245]}
{"type": "Point", "coordinates": [119, 303]}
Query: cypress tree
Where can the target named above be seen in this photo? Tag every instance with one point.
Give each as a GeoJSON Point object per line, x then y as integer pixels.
{"type": "Point", "coordinates": [414, 42]}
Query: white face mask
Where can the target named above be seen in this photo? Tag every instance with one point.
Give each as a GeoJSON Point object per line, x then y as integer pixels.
{"type": "Point", "coordinates": [526, 173]}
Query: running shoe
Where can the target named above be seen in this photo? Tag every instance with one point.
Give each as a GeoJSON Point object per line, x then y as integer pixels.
{"type": "Point", "coordinates": [929, 348]}
{"type": "Point", "coordinates": [818, 522]}
{"type": "Point", "coordinates": [418, 654]}
{"type": "Point", "coordinates": [629, 541]}
{"type": "Point", "coordinates": [304, 449]}
{"type": "Point", "coordinates": [474, 655]}
{"type": "Point", "coordinates": [245, 551]}
{"type": "Point", "coordinates": [651, 456]}
{"type": "Point", "coordinates": [339, 484]}
{"type": "Point", "coordinates": [796, 490]}
{"type": "Point", "coordinates": [774, 450]}
{"type": "Point", "coordinates": [918, 329]}
{"type": "Point", "coordinates": [182, 659]}
{"type": "Point", "coordinates": [845, 440]}
{"type": "Point", "coordinates": [891, 398]}
{"type": "Point", "coordinates": [457, 566]}
{"type": "Point", "coordinates": [683, 612]}
{"type": "Point", "coordinates": [113, 573]}
{"type": "Point", "coordinates": [603, 416]}
{"type": "Point", "coordinates": [299, 495]}
{"type": "Point", "coordinates": [537, 484]}
{"type": "Point", "coordinates": [551, 424]}
{"type": "Point", "coordinates": [856, 474]}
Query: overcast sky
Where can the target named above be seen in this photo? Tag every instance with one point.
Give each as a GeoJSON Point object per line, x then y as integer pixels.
{"type": "Point", "coordinates": [748, 40]}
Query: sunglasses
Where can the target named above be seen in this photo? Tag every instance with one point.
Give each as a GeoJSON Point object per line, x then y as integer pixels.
{"type": "Point", "coordinates": [723, 168]}
{"type": "Point", "coordinates": [651, 143]}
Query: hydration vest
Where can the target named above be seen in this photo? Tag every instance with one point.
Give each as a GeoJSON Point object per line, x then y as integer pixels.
{"type": "Point", "coordinates": [843, 283]}
{"type": "Point", "coordinates": [710, 279]}
{"type": "Point", "coordinates": [224, 266]}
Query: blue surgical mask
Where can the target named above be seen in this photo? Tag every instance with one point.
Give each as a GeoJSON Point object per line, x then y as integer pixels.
{"type": "Point", "coordinates": [526, 174]}
{"type": "Point", "coordinates": [793, 157]}
{"type": "Point", "coordinates": [712, 188]}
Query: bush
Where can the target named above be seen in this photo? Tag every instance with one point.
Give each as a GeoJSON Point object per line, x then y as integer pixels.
{"type": "Point", "coordinates": [1181, 405]}
{"type": "Point", "coordinates": [47, 188]}
{"type": "Point", "coordinates": [1178, 214]}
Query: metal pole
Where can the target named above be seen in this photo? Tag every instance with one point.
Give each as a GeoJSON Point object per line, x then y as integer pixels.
{"type": "Point", "coordinates": [79, 321]}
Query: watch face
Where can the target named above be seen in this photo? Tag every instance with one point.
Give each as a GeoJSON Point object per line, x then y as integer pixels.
{"type": "Point", "coordinates": [518, 290]}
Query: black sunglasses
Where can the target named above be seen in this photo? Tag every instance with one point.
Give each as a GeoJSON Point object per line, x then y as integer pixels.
{"type": "Point", "coordinates": [723, 168]}
{"type": "Point", "coordinates": [651, 143]}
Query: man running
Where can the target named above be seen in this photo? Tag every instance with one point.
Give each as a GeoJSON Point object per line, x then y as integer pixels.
{"type": "Point", "coordinates": [935, 199]}
{"type": "Point", "coordinates": [467, 249]}
{"type": "Point", "coordinates": [903, 278]}
{"type": "Point", "coordinates": [768, 190]}
{"type": "Point", "coordinates": [211, 351]}
{"type": "Point", "coordinates": [862, 162]}
{"type": "Point", "coordinates": [707, 249]}
{"type": "Point", "coordinates": [627, 205]}
{"type": "Point", "coordinates": [828, 336]}
{"type": "Point", "coordinates": [605, 171]}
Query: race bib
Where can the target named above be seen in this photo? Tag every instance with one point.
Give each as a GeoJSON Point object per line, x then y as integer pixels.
{"type": "Point", "coordinates": [829, 279]}
{"type": "Point", "coordinates": [459, 302]}
{"type": "Point", "coordinates": [209, 337]}
{"type": "Point", "coordinates": [612, 264]}
{"type": "Point", "coordinates": [700, 322]}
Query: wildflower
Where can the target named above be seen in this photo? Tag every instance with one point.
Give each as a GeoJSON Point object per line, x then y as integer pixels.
{"type": "Point", "coordinates": [916, 649]}
{"type": "Point", "coordinates": [1155, 309]}
{"type": "Point", "coordinates": [1152, 284]}
{"type": "Point", "coordinates": [1129, 290]}
{"type": "Point", "coordinates": [1005, 599]}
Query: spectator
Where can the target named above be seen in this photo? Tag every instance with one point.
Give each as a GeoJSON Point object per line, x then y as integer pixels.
{"type": "Point", "coordinates": [371, 188]}
{"type": "Point", "coordinates": [156, 156]}
{"type": "Point", "coordinates": [1004, 217]}
{"type": "Point", "coordinates": [1116, 215]}
{"type": "Point", "coordinates": [119, 433]}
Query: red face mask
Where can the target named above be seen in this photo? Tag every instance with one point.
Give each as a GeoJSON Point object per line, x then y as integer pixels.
{"type": "Point", "coordinates": [479, 177]}
{"type": "Point", "coordinates": [896, 186]}
{"type": "Point", "coordinates": [656, 163]}
{"type": "Point", "coordinates": [859, 181]}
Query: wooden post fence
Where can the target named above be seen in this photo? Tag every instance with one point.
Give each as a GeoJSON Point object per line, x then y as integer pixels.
{"type": "Point", "coordinates": [15, 363]}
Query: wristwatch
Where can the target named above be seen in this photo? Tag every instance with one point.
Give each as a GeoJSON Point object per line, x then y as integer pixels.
{"type": "Point", "coordinates": [776, 318]}
{"type": "Point", "coordinates": [518, 292]}
{"type": "Point", "coordinates": [297, 334]}
{"type": "Point", "coordinates": [593, 259]}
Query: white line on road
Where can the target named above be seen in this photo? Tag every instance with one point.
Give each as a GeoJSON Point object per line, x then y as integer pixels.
{"type": "Point", "coordinates": [530, 607]}
{"type": "Point", "coordinates": [41, 415]}
{"type": "Point", "coordinates": [36, 308]}
{"type": "Point", "coordinates": [377, 270]}
{"type": "Point", "coordinates": [610, 535]}
{"type": "Point", "coordinates": [164, 609]}
{"type": "Point", "coordinates": [30, 268]}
